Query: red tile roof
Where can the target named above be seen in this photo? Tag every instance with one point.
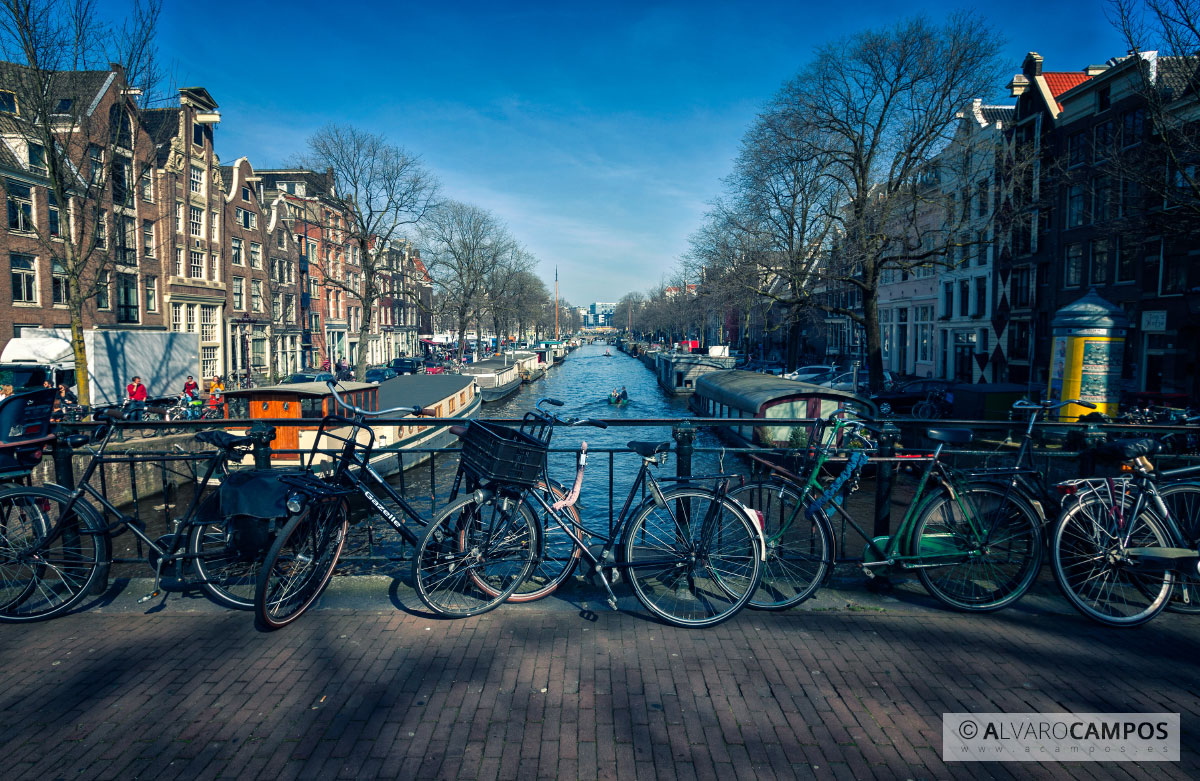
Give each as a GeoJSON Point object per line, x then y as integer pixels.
{"type": "Point", "coordinates": [1059, 82]}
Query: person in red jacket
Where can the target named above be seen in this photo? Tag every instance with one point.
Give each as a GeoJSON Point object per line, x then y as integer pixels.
{"type": "Point", "coordinates": [191, 388]}
{"type": "Point", "coordinates": [136, 392]}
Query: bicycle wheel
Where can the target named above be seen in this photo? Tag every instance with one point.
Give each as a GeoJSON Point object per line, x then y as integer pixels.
{"type": "Point", "coordinates": [148, 431]}
{"type": "Point", "coordinates": [1183, 501]}
{"type": "Point", "coordinates": [558, 555]}
{"type": "Point", "coordinates": [799, 549]}
{"type": "Point", "coordinates": [696, 560]}
{"type": "Point", "coordinates": [228, 555]}
{"type": "Point", "coordinates": [1089, 562]}
{"type": "Point", "coordinates": [300, 563]}
{"type": "Point", "coordinates": [475, 554]}
{"type": "Point", "coordinates": [925, 410]}
{"type": "Point", "coordinates": [48, 560]}
{"type": "Point", "coordinates": [987, 557]}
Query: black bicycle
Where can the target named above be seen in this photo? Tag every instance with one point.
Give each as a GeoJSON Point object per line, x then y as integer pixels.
{"type": "Point", "coordinates": [693, 555]}
{"type": "Point", "coordinates": [55, 543]}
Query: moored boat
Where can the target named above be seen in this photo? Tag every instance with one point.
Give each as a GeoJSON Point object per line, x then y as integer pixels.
{"type": "Point", "coordinates": [497, 378]}
{"type": "Point", "coordinates": [760, 397]}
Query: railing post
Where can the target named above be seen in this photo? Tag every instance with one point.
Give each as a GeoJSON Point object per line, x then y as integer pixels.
{"type": "Point", "coordinates": [261, 447]}
{"type": "Point", "coordinates": [684, 434]}
{"type": "Point", "coordinates": [64, 472]}
{"type": "Point", "coordinates": [888, 436]}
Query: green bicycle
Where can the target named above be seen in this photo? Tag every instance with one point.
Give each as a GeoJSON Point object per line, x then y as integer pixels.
{"type": "Point", "coordinates": [974, 547]}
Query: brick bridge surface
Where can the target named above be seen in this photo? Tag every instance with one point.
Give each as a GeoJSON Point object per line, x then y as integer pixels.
{"type": "Point", "coordinates": [553, 691]}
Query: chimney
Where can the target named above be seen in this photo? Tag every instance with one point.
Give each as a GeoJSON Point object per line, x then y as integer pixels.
{"type": "Point", "coordinates": [1018, 85]}
{"type": "Point", "coordinates": [1032, 66]}
{"type": "Point", "coordinates": [1095, 70]}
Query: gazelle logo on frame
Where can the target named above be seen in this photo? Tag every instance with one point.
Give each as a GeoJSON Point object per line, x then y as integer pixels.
{"type": "Point", "coordinates": [1060, 737]}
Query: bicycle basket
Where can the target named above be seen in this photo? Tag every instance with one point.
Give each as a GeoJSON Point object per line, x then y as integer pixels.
{"type": "Point", "coordinates": [493, 452]}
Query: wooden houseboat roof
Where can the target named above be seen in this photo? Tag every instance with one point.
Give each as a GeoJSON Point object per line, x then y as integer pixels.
{"type": "Point", "coordinates": [749, 391]}
{"type": "Point", "coordinates": [302, 389]}
{"type": "Point", "coordinates": [489, 366]}
{"type": "Point", "coordinates": [425, 390]}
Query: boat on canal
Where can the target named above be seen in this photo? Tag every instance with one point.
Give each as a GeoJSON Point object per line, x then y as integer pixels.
{"type": "Point", "coordinates": [761, 397]}
{"type": "Point", "coordinates": [497, 378]}
{"type": "Point", "coordinates": [529, 365]}
{"type": "Point", "coordinates": [450, 395]}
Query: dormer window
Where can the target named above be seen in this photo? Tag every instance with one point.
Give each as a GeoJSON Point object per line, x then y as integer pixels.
{"type": "Point", "coordinates": [197, 134]}
{"type": "Point", "coordinates": [64, 106]}
{"type": "Point", "coordinates": [8, 102]}
{"type": "Point", "coordinates": [37, 158]}
{"type": "Point", "coordinates": [245, 193]}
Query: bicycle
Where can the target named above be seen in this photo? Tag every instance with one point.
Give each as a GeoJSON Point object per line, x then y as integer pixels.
{"type": "Point", "coordinates": [1127, 547]}
{"type": "Point", "coordinates": [55, 543]}
{"type": "Point", "coordinates": [693, 555]}
{"type": "Point", "coordinates": [974, 546]}
{"type": "Point", "coordinates": [933, 406]}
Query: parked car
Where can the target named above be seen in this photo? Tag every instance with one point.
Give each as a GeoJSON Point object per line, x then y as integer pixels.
{"type": "Point", "coordinates": [904, 397]}
{"type": "Point", "coordinates": [378, 375]}
{"type": "Point", "coordinates": [765, 367]}
{"type": "Point", "coordinates": [845, 381]}
{"type": "Point", "coordinates": [407, 366]}
{"type": "Point", "coordinates": [308, 377]}
{"type": "Point", "coordinates": [809, 373]}
{"type": "Point", "coordinates": [434, 367]}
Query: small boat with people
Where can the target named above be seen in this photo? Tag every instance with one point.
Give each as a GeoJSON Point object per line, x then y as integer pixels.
{"type": "Point", "coordinates": [618, 397]}
{"type": "Point", "coordinates": [608, 353]}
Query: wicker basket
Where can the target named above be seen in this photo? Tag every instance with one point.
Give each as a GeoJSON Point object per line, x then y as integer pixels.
{"type": "Point", "coordinates": [493, 452]}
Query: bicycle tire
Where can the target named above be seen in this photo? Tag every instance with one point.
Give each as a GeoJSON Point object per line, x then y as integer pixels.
{"type": "Point", "coordinates": [1085, 557]}
{"type": "Point", "coordinates": [492, 540]}
{"type": "Point", "coordinates": [42, 576]}
{"type": "Point", "coordinates": [800, 550]}
{"type": "Point", "coordinates": [300, 563]}
{"type": "Point", "coordinates": [924, 410]}
{"type": "Point", "coordinates": [979, 578]}
{"type": "Point", "coordinates": [1183, 501]}
{"type": "Point", "coordinates": [709, 579]}
{"type": "Point", "coordinates": [558, 554]}
{"type": "Point", "coordinates": [146, 432]}
{"type": "Point", "coordinates": [227, 564]}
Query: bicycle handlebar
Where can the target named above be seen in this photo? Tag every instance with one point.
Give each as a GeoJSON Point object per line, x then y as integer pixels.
{"type": "Point", "coordinates": [1047, 405]}
{"type": "Point", "coordinates": [418, 410]}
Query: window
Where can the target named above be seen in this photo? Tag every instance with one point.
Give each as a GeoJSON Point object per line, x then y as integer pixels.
{"type": "Point", "coordinates": [1172, 274]}
{"type": "Point", "coordinates": [255, 255]}
{"type": "Point", "coordinates": [948, 299]}
{"type": "Point", "coordinates": [964, 297]}
{"type": "Point", "coordinates": [58, 283]}
{"type": "Point", "coordinates": [127, 298]}
{"type": "Point", "coordinates": [189, 312]}
{"type": "Point", "coordinates": [1102, 142]}
{"type": "Point", "coordinates": [197, 133]}
{"type": "Point", "coordinates": [214, 271]}
{"type": "Point", "coordinates": [37, 158]}
{"type": "Point", "coordinates": [208, 323]}
{"type": "Point", "coordinates": [8, 102]}
{"type": "Point", "coordinates": [289, 307]}
{"type": "Point", "coordinates": [196, 221]}
{"type": "Point", "coordinates": [246, 194]}
{"type": "Point", "coordinates": [1099, 265]}
{"type": "Point", "coordinates": [52, 217]}
{"type": "Point", "coordinates": [151, 284]}
{"type": "Point", "coordinates": [178, 262]}
{"type": "Point", "coordinates": [1104, 99]}
{"type": "Point", "coordinates": [980, 296]}
{"type": "Point", "coordinates": [177, 317]}
{"type": "Point", "coordinates": [208, 361]}
{"type": "Point", "coordinates": [256, 302]}
{"type": "Point", "coordinates": [981, 249]}
{"type": "Point", "coordinates": [214, 224]}
{"type": "Point", "coordinates": [24, 278]}
{"type": "Point", "coordinates": [277, 307]}
{"type": "Point", "coordinates": [101, 230]}
{"type": "Point", "coordinates": [236, 253]}
{"type": "Point", "coordinates": [1075, 211]}
{"type": "Point", "coordinates": [247, 219]}
{"type": "Point", "coordinates": [196, 180]}
{"type": "Point", "coordinates": [1184, 182]}
{"type": "Point", "coordinates": [1101, 199]}
{"type": "Point", "coordinates": [20, 206]}
{"type": "Point", "coordinates": [196, 264]}
{"type": "Point", "coordinates": [1073, 271]}
{"type": "Point", "coordinates": [102, 299]}
{"type": "Point", "coordinates": [1126, 263]}
{"type": "Point", "coordinates": [122, 181]}
{"type": "Point", "coordinates": [147, 187]}
{"type": "Point", "coordinates": [127, 240]}
{"type": "Point", "coordinates": [148, 238]}
{"type": "Point", "coordinates": [239, 287]}
{"type": "Point", "coordinates": [1077, 149]}
{"type": "Point", "coordinates": [1133, 126]}
{"type": "Point", "coordinates": [179, 216]}
{"type": "Point", "coordinates": [96, 163]}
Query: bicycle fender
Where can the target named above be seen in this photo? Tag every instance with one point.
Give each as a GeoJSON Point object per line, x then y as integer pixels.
{"type": "Point", "coordinates": [756, 523]}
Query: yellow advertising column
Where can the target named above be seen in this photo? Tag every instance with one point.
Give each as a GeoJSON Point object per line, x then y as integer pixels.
{"type": "Point", "coordinates": [1086, 357]}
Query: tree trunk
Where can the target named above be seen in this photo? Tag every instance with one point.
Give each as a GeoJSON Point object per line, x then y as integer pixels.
{"type": "Point", "coordinates": [83, 386]}
{"type": "Point", "coordinates": [874, 347]}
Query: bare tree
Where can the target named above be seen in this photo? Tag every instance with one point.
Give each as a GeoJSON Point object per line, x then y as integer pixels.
{"type": "Point", "coordinates": [463, 245]}
{"type": "Point", "coordinates": [502, 285]}
{"type": "Point", "coordinates": [380, 189]}
{"type": "Point", "coordinates": [58, 52]}
{"type": "Point", "coordinates": [529, 297]}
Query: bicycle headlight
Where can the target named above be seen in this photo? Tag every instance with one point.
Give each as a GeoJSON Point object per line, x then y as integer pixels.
{"type": "Point", "coordinates": [295, 503]}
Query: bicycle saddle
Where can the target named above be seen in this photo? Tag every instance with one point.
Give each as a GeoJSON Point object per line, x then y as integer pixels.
{"type": "Point", "coordinates": [951, 436]}
{"type": "Point", "coordinates": [1128, 449]}
{"type": "Point", "coordinates": [222, 439]}
{"type": "Point", "coordinates": [649, 449]}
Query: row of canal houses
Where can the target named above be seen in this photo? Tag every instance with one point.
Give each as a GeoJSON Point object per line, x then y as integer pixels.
{"type": "Point", "coordinates": [1080, 218]}
{"type": "Point", "coordinates": [238, 255]}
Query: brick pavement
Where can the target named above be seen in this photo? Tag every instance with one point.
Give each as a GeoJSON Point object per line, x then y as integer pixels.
{"type": "Point", "coordinates": [549, 691]}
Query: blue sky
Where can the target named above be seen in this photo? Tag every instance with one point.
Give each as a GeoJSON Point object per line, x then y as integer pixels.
{"type": "Point", "coordinates": [597, 131]}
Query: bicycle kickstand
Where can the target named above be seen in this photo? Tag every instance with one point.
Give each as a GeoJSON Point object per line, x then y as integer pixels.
{"type": "Point", "coordinates": [157, 592]}
{"type": "Point", "coordinates": [612, 598]}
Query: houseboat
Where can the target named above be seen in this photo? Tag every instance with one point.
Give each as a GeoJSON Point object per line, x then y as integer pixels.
{"type": "Point", "coordinates": [678, 372]}
{"type": "Point", "coordinates": [760, 397]}
{"type": "Point", "coordinates": [450, 395]}
{"type": "Point", "coordinates": [497, 378]}
{"type": "Point", "coordinates": [528, 365]}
